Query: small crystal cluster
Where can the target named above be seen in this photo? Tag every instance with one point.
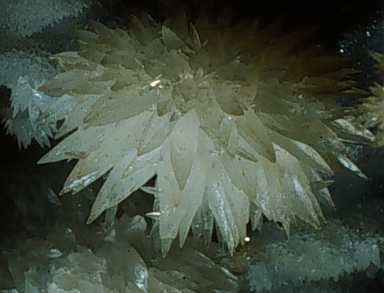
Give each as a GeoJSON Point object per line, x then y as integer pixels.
{"type": "Point", "coordinates": [24, 18]}
{"type": "Point", "coordinates": [28, 120]}
{"type": "Point", "coordinates": [232, 121]}
{"type": "Point", "coordinates": [328, 255]}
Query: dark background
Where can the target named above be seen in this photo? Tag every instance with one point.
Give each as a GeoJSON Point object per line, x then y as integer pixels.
{"type": "Point", "coordinates": [335, 17]}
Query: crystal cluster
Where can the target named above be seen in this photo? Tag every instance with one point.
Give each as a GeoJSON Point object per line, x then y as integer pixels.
{"type": "Point", "coordinates": [234, 124]}
{"type": "Point", "coordinates": [24, 18]}
{"type": "Point", "coordinates": [328, 255]}
{"type": "Point", "coordinates": [28, 118]}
